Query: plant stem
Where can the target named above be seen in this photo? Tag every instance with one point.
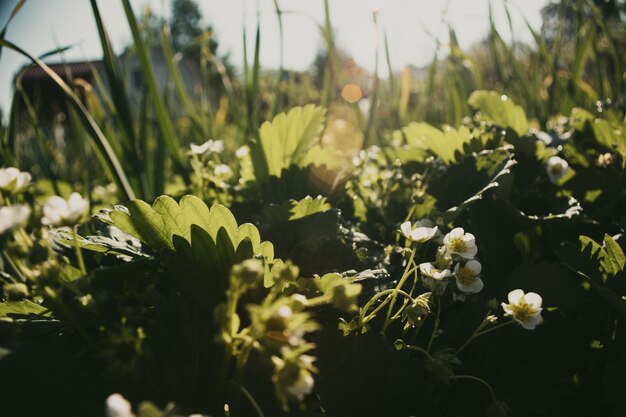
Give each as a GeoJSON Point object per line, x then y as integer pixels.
{"type": "Point", "coordinates": [432, 335]}
{"type": "Point", "coordinates": [419, 349]}
{"type": "Point", "coordinates": [79, 253]}
{"type": "Point", "coordinates": [13, 265]}
{"type": "Point", "coordinates": [478, 333]}
{"type": "Point", "coordinates": [363, 318]}
{"type": "Point", "coordinates": [477, 379]}
{"type": "Point", "coordinates": [252, 401]}
{"type": "Point", "coordinates": [398, 288]}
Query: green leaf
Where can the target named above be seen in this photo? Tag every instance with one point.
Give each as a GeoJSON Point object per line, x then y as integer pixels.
{"type": "Point", "coordinates": [610, 255]}
{"type": "Point", "coordinates": [499, 110]}
{"type": "Point", "coordinates": [156, 226]}
{"type": "Point", "coordinates": [308, 206]}
{"type": "Point", "coordinates": [286, 140]}
{"type": "Point", "coordinates": [20, 308]}
{"type": "Point", "coordinates": [611, 137]}
{"type": "Point", "coordinates": [147, 409]}
{"type": "Point", "coordinates": [144, 223]}
{"type": "Point", "coordinates": [467, 181]}
{"type": "Point", "coordinates": [445, 144]}
{"type": "Point", "coordinates": [209, 238]}
{"type": "Point", "coordinates": [579, 117]}
{"type": "Point", "coordinates": [615, 259]}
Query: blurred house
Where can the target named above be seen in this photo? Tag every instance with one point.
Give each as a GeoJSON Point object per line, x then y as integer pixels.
{"type": "Point", "coordinates": [34, 85]}
{"type": "Point", "coordinates": [188, 68]}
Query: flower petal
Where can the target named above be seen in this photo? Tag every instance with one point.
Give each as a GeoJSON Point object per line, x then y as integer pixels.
{"type": "Point", "coordinates": [533, 299]}
{"type": "Point", "coordinates": [507, 309]}
{"type": "Point", "coordinates": [515, 296]}
{"type": "Point", "coordinates": [405, 228]}
{"type": "Point", "coordinates": [457, 232]}
{"type": "Point", "coordinates": [474, 266]}
{"type": "Point", "coordinates": [474, 287]}
{"type": "Point", "coordinates": [426, 268]}
{"type": "Point", "coordinates": [469, 239]}
{"type": "Point", "coordinates": [532, 322]}
{"type": "Point", "coordinates": [470, 252]}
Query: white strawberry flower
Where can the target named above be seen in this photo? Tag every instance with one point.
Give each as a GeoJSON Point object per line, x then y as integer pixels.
{"type": "Point", "coordinates": [429, 270]}
{"type": "Point", "coordinates": [12, 217]}
{"type": "Point", "coordinates": [418, 234]}
{"type": "Point", "coordinates": [242, 152]}
{"type": "Point", "coordinates": [118, 406]}
{"type": "Point", "coordinates": [223, 172]}
{"type": "Point", "coordinates": [468, 277]}
{"type": "Point", "coordinates": [433, 278]}
{"type": "Point", "coordinates": [60, 212]}
{"type": "Point", "coordinates": [210, 146]}
{"type": "Point", "coordinates": [14, 180]}
{"type": "Point", "coordinates": [457, 242]}
{"type": "Point", "coordinates": [524, 308]}
{"type": "Point", "coordinates": [556, 167]}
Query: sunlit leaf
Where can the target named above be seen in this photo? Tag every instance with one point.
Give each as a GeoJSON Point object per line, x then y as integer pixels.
{"type": "Point", "coordinates": [500, 110]}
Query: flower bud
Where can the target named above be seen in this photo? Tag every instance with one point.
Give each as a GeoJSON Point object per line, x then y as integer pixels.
{"type": "Point", "coordinates": [15, 291]}
{"type": "Point", "coordinates": [250, 272]}
{"type": "Point", "coordinates": [443, 258]}
{"type": "Point", "coordinates": [418, 309]}
{"type": "Point", "coordinates": [293, 376]}
{"type": "Point", "coordinates": [279, 321]}
{"type": "Point", "coordinates": [287, 272]}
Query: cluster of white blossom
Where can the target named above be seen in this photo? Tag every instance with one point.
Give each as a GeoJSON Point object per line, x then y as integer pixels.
{"type": "Point", "coordinates": [456, 258]}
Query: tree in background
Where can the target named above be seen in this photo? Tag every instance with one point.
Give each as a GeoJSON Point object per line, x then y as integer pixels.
{"type": "Point", "coordinates": [188, 33]}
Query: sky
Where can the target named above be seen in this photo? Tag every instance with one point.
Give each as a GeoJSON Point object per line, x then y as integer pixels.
{"type": "Point", "coordinates": [412, 26]}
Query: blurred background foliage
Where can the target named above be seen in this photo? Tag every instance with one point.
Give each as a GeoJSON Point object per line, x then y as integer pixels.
{"type": "Point", "coordinates": [149, 114]}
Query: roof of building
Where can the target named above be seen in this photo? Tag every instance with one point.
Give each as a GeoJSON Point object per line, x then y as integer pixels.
{"type": "Point", "coordinates": [75, 69]}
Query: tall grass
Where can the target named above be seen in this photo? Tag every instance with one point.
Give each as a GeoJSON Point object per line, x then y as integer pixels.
{"type": "Point", "coordinates": [140, 147]}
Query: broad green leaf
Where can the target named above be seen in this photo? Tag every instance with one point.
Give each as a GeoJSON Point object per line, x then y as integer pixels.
{"type": "Point", "coordinates": [144, 223]}
{"type": "Point", "coordinates": [444, 144]}
{"type": "Point", "coordinates": [221, 217]}
{"type": "Point", "coordinates": [328, 281]}
{"type": "Point", "coordinates": [579, 117]}
{"type": "Point", "coordinates": [615, 259]}
{"type": "Point", "coordinates": [293, 210]}
{"type": "Point", "coordinates": [286, 140]}
{"type": "Point", "coordinates": [327, 157]}
{"type": "Point", "coordinates": [156, 226]}
{"type": "Point", "coordinates": [250, 232]}
{"type": "Point", "coordinates": [196, 211]}
{"type": "Point", "coordinates": [611, 137]}
{"type": "Point", "coordinates": [174, 219]}
{"type": "Point", "coordinates": [609, 255]}
{"type": "Point", "coordinates": [21, 308]}
{"type": "Point", "coordinates": [499, 110]}
{"type": "Point", "coordinates": [308, 206]}
{"type": "Point", "coordinates": [210, 238]}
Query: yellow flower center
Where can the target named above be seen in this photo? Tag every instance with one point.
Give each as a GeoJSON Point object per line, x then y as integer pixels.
{"type": "Point", "coordinates": [457, 244]}
{"type": "Point", "coordinates": [465, 275]}
{"type": "Point", "coordinates": [522, 311]}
